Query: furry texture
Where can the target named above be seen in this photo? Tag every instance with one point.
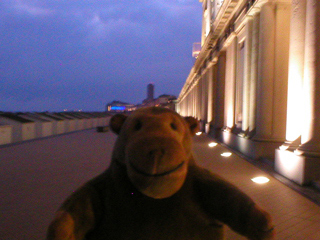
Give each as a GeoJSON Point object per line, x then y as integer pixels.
{"type": "Point", "coordinates": [154, 190]}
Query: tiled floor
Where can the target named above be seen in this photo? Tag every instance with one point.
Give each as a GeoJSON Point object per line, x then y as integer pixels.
{"type": "Point", "coordinates": [36, 176]}
{"type": "Point", "coordinates": [295, 217]}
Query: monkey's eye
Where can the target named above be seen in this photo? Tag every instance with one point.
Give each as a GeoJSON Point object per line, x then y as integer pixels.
{"type": "Point", "coordinates": [174, 126]}
{"type": "Point", "coordinates": [138, 125]}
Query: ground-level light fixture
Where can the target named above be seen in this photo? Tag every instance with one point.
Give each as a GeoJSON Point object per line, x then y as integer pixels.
{"type": "Point", "coordinates": [198, 133]}
{"type": "Point", "coordinates": [260, 180]}
{"type": "Point", "coordinates": [212, 144]}
{"type": "Point", "coordinates": [226, 154]}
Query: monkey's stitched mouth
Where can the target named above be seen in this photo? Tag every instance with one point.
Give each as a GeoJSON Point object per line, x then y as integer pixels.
{"type": "Point", "coordinates": [157, 174]}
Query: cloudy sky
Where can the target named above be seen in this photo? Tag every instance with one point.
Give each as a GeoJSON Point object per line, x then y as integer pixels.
{"type": "Point", "coordinates": [82, 54]}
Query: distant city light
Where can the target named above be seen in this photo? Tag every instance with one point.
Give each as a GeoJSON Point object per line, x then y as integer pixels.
{"type": "Point", "coordinates": [118, 108]}
{"type": "Point", "coordinates": [260, 180]}
{"type": "Point", "coordinates": [212, 144]}
{"type": "Point", "coordinates": [226, 154]}
{"type": "Point", "coordinates": [198, 133]}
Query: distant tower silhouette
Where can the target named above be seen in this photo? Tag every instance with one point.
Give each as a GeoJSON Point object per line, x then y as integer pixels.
{"type": "Point", "coordinates": [150, 91]}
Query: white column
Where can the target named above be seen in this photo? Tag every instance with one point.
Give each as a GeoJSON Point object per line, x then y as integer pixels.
{"type": "Point", "coordinates": [210, 94]}
{"type": "Point", "coordinates": [194, 101]}
{"type": "Point", "coordinates": [254, 71]}
{"type": "Point", "coordinates": [281, 62]}
{"type": "Point", "coordinates": [184, 105]}
{"type": "Point", "coordinates": [198, 107]}
{"type": "Point", "coordinates": [296, 71]}
{"type": "Point", "coordinates": [178, 109]}
{"type": "Point", "coordinates": [187, 105]}
{"type": "Point", "coordinates": [247, 75]}
{"type": "Point", "coordinates": [195, 109]}
{"type": "Point", "coordinates": [202, 97]}
{"type": "Point", "coordinates": [220, 91]}
{"type": "Point", "coordinates": [310, 137]}
{"type": "Point", "coordinates": [205, 97]}
{"type": "Point", "coordinates": [191, 106]}
{"type": "Point", "coordinates": [230, 84]}
{"type": "Point", "coordinates": [303, 165]}
{"type": "Point", "coordinates": [266, 72]}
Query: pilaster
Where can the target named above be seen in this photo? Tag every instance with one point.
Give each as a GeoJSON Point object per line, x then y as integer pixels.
{"type": "Point", "coordinates": [272, 71]}
{"type": "Point", "coordinates": [310, 137]}
{"type": "Point", "coordinates": [210, 93]}
{"type": "Point", "coordinates": [266, 72]}
{"type": "Point", "coordinates": [254, 71]}
{"type": "Point", "coordinates": [247, 75]}
{"type": "Point", "coordinates": [229, 105]}
{"type": "Point", "coordinates": [220, 93]}
{"type": "Point", "coordinates": [295, 75]}
{"type": "Point", "coordinates": [302, 164]}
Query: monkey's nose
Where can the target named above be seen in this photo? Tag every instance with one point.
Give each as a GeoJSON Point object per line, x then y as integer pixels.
{"type": "Point", "coordinates": [156, 153]}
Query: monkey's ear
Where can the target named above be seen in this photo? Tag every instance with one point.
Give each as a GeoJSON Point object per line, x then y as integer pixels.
{"type": "Point", "coordinates": [193, 124]}
{"type": "Point", "coordinates": [116, 122]}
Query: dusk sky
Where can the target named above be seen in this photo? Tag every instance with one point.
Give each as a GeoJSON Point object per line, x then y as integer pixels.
{"type": "Point", "coordinates": [57, 55]}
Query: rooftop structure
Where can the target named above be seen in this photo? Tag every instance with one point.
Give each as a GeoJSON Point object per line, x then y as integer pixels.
{"type": "Point", "coordinates": [150, 91]}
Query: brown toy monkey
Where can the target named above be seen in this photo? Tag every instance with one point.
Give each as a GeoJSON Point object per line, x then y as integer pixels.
{"type": "Point", "coordinates": [153, 190]}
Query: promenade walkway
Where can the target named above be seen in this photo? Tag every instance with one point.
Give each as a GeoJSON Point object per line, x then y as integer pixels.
{"type": "Point", "coordinates": [36, 176]}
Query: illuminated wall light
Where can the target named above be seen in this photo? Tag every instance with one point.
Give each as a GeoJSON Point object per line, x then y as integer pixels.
{"type": "Point", "coordinates": [226, 154]}
{"type": "Point", "coordinates": [198, 133]}
{"type": "Point", "coordinates": [212, 144]}
{"type": "Point", "coordinates": [260, 180]}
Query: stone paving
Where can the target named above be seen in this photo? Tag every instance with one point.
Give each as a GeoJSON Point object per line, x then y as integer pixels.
{"type": "Point", "coordinates": [36, 176]}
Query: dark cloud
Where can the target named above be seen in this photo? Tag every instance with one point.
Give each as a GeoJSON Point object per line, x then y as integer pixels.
{"type": "Point", "coordinates": [82, 54]}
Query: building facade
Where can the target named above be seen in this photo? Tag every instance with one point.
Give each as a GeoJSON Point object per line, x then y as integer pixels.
{"type": "Point", "coordinates": [164, 100]}
{"type": "Point", "coordinates": [255, 83]}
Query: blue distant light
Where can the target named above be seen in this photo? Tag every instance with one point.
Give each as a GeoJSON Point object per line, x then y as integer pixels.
{"type": "Point", "coordinates": [118, 108]}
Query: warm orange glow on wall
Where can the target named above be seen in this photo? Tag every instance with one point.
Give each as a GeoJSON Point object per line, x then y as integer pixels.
{"type": "Point", "coordinates": [294, 106]}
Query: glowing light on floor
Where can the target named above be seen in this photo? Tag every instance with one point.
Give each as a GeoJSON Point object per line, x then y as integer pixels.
{"type": "Point", "coordinates": [212, 144]}
{"type": "Point", "coordinates": [226, 154]}
{"type": "Point", "coordinates": [198, 133]}
{"type": "Point", "coordinates": [260, 180]}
